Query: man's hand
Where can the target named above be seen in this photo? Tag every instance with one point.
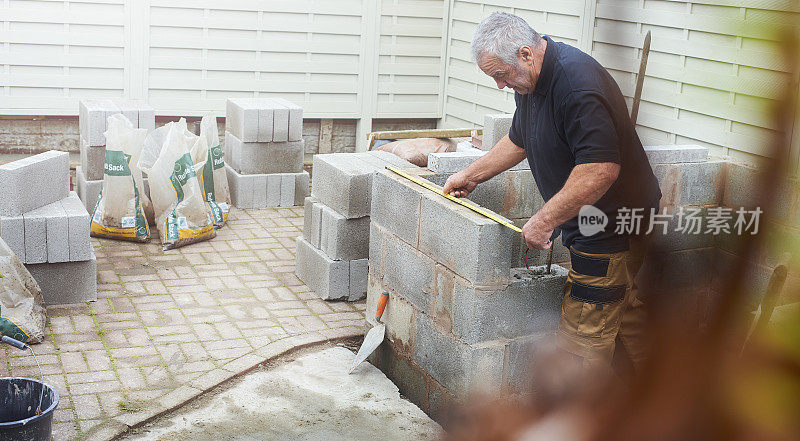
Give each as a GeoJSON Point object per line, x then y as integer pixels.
{"type": "Point", "coordinates": [537, 235]}
{"type": "Point", "coordinates": [460, 184]}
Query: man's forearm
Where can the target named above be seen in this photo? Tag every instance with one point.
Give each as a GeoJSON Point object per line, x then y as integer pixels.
{"type": "Point", "coordinates": [504, 155]}
{"type": "Point", "coordinates": [586, 185]}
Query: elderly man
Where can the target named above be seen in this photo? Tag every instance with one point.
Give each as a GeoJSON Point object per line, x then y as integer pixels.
{"type": "Point", "coordinates": [572, 124]}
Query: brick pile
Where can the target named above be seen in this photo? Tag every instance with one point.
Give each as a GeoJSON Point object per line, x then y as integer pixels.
{"type": "Point", "coordinates": [47, 227]}
{"type": "Point", "coordinates": [333, 252]}
{"type": "Point", "coordinates": [264, 150]}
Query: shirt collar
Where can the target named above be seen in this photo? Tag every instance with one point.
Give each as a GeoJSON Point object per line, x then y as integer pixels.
{"type": "Point", "coordinates": [548, 65]}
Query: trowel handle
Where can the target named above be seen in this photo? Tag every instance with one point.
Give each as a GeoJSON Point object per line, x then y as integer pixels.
{"type": "Point", "coordinates": [13, 342]}
{"type": "Point", "coordinates": [381, 306]}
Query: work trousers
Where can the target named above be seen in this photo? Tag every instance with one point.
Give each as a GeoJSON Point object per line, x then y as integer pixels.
{"type": "Point", "coordinates": [601, 305]}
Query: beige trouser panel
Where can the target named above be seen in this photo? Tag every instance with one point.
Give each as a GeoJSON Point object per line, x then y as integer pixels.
{"type": "Point", "coordinates": [600, 301]}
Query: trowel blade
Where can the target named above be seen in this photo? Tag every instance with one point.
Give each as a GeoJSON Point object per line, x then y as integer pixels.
{"type": "Point", "coordinates": [372, 340]}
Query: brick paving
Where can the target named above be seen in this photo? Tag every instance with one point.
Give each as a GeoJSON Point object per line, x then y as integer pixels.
{"type": "Point", "coordinates": [169, 325]}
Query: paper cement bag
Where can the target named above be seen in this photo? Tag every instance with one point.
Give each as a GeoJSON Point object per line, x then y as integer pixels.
{"type": "Point", "coordinates": [213, 177]}
{"type": "Point", "coordinates": [181, 212]}
{"type": "Point", "coordinates": [119, 212]}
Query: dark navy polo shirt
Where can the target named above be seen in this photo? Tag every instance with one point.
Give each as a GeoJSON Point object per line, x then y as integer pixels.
{"type": "Point", "coordinates": [577, 115]}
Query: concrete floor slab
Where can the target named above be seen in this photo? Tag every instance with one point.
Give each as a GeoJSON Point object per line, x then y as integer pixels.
{"type": "Point", "coordinates": [311, 398]}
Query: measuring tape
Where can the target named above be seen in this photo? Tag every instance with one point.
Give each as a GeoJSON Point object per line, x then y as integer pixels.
{"type": "Point", "coordinates": [475, 208]}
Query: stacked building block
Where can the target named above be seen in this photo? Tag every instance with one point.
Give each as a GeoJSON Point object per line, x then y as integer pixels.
{"type": "Point", "coordinates": [332, 254]}
{"type": "Point", "coordinates": [462, 317]}
{"type": "Point", "coordinates": [47, 227]}
{"type": "Point", "coordinates": [495, 127]}
{"type": "Point", "coordinates": [264, 150]}
{"type": "Point", "coordinates": [92, 123]}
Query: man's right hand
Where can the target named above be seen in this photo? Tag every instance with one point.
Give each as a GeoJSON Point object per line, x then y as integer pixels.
{"type": "Point", "coordinates": [460, 184]}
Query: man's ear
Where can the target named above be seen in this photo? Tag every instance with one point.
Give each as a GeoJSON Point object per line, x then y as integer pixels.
{"type": "Point", "coordinates": [525, 54]}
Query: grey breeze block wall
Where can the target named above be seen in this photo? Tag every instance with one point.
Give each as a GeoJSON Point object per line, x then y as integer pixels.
{"type": "Point", "coordinates": [464, 317]}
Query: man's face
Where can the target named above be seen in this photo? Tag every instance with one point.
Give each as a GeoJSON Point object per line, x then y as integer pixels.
{"type": "Point", "coordinates": [517, 77]}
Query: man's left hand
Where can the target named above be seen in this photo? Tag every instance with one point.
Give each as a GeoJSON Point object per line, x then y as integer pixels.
{"type": "Point", "coordinates": [536, 235]}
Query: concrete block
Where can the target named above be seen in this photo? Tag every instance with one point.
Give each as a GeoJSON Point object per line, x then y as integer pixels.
{"type": "Point", "coordinates": [375, 251]}
{"type": "Point", "coordinates": [260, 191]}
{"type": "Point", "coordinates": [241, 118]}
{"type": "Point", "coordinates": [312, 221]}
{"type": "Point", "coordinates": [343, 182]}
{"type": "Point", "coordinates": [461, 368]}
{"type": "Point", "coordinates": [88, 191]}
{"type": "Point", "coordinates": [495, 127]}
{"type": "Point", "coordinates": [33, 182]}
{"type": "Point", "coordinates": [301, 187]}
{"type": "Point", "coordinates": [13, 233]}
{"type": "Point", "coordinates": [342, 238]}
{"type": "Point", "coordinates": [452, 162]}
{"type": "Point", "coordinates": [675, 154]}
{"type": "Point", "coordinates": [92, 160]}
{"type": "Point", "coordinates": [246, 189]}
{"type": "Point", "coordinates": [530, 304]}
{"type": "Point", "coordinates": [67, 282]}
{"type": "Point", "coordinates": [92, 121]}
{"type": "Point", "coordinates": [701, 183]}
{"type": "Point", "coordinates": [359, 269]}
{"type": "Point", "coordinates": [241, 188]}
{"type": "Point", "coordinates": [512, 194]}
{"type": "Point", "coordinates": [398, 315]}
{"type": "Point", "coordinates": [472, 246]}
{"type": "Point", "coordinates": [36, 235]}
{"type": "Point", "coordinates": [280, 128]}
{"type": "Point", "coordinates": [395, 205]}
{"type": "Point", "coordinates": [288, 182]}
{"type": "Point", "coordinates": [520, 357]}
{"type": "Point", "coordinates": [742, 189]}
{"type": "Point", "coordinates": [295, 119]}
{"type": "Point", "coordinates": [383, 159]}
{"type": "Point", "coordinates": [80, 245]}
{"type": "Point", "coordinates": [147, 117]}
{"type": "Point", "coordinates": [329, 279]}
{"type": "Point", "coordinates": [274, 185]}
{"type": "Point", "coordinates": [266, 120]}
{"type": "Point", "coordinates": [686, 270]}
{"type": "Point", "coordinates": [128, 109]}
{"type": "Point", "coordinates": [263, 157]}
{"type": "Point", "coordinates": [407, 272]}
{"type": "Point", "coordinates": [57, 232]}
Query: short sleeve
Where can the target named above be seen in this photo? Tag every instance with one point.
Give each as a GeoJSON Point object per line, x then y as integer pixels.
{"type": "Point", "coordinates": [589, 128]}
{"type": "Point", "coordinates": [516, 132]}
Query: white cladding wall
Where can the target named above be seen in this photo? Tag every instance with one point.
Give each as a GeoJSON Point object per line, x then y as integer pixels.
{"type": "Point", "coordinates": [713, 72]}
{"type": "Point", "coordinates": [338, 59]}
{"type": "Point", "coordinates": [714, 67]}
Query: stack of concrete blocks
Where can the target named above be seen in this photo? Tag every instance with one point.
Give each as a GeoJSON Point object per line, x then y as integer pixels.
{"type": "Point", "coordinates": [47, 227]}
{"type": "Point", "coordinates": [462, 313]}
{"type": "Point", "coordinates": [462, 317]}
{"type": "Point", "coordinates": [332, 253]}
{"type": "Point", "coordinates": [92, 124]}
{"type": "Point", "coordinates": [264, 150]}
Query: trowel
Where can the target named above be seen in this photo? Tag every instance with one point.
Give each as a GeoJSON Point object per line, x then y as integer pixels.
{"type": "Point", "coordinates": [374, 336]}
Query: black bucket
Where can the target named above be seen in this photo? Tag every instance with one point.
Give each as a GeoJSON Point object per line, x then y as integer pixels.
{"type": "Point", "coordinates": [19, 401]}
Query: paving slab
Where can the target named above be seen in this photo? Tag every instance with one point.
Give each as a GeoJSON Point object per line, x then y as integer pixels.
{"type": "Point", "coordinates": [168, 325]}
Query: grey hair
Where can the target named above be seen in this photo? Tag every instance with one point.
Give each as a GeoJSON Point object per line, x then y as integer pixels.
{"type": "Point", "coordinates": [502, 35]}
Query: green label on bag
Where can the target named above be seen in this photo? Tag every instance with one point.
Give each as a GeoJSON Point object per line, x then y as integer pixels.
{"type": "Point", "coordinates": [117, 163]}
{"type": "Point", "coordinates": [181, 174]}
{"type": "Point", "coordinates": [217, 157]}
